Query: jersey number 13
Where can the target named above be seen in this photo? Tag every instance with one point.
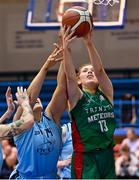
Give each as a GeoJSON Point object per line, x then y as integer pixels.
{"type": "Point", "coordinates": [103, 126]}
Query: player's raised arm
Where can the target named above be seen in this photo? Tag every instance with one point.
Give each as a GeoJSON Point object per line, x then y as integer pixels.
{"type": "Point", "coordinates": [25, 122]}
{"type": "Point", "coordinates": [74, 93]}
{"type": "Point", "coordinates": [58, 103]}
{"type": "Point", "coordinates": [10, 106]}
{"type": "Point", "coordinates": [104, 81]}
{"type": "Point", "coordinates": [36, 85]}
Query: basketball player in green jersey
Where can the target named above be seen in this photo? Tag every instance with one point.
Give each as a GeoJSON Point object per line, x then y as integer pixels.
{"type": "Point", "coordinates": [92, 113]}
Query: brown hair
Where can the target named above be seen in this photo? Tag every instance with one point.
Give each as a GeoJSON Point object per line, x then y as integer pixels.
{"type": "Point", "coordinates": [82, 67]}
{"type": "Point", "coordinates": [78, 72]}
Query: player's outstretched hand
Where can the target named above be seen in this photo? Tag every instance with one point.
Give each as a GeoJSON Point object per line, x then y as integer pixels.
{"type": "Point", "coordinates": [55, 56]}
{"type": "Point", "coordinates": [9, 100]}
{"type": "Point", "coordinates": [22, 96]}
{"type": "Point", "coordinates": [67, 36]}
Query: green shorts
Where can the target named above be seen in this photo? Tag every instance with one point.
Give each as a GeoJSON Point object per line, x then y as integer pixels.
{"type": "Point", "coordinates": [98, 164]}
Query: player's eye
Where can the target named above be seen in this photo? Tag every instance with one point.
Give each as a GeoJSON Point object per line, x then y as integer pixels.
{"type": "Point", "coordinates": [84, 70]}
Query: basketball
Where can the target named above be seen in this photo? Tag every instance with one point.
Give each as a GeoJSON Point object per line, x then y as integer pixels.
{"type": "Point", "coordinates": [79, 19]}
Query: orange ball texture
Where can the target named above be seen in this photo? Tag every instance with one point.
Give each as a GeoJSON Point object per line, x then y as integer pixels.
{"type": "Point", "coordinates": [79, 19]}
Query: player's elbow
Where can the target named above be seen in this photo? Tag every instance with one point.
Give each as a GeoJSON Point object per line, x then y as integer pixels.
{"type": "Point", "coordinates": [29, 121]}
{"type": "Point", "coordinates": [99, 71]}
{"type": "Point", "coordinates": [71, 82]}
{"type": "Point", "coordinates": [70, 78]}
{"type": "Point", "coordinates": [62, 86]}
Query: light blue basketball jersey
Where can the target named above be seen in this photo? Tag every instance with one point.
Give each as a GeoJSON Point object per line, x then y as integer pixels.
{"type": "Point", "coordinates": [67, 150]}
{"type": "Point", "coordinates": [38, 150]}
{"type": "Point", "coordinates": [1, 157]}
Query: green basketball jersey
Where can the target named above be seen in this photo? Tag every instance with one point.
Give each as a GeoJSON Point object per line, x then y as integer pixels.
{"type": "Point", "coordinates": [93, 122]}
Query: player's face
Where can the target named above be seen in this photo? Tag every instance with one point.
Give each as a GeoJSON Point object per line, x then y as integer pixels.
{"type": "Point", "coordinates": [87, 76]}
{"type": "Point", "coordinates": [38, 105]}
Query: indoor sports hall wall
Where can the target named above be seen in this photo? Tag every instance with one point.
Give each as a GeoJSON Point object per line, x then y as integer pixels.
{"type": "Point", "coordinates": [23, 50]}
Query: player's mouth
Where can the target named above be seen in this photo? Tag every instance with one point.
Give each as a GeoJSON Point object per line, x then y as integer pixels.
{"type": "Point", "coordinates": [90, 76]}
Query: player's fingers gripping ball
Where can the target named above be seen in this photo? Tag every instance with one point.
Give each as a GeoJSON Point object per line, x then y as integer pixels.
{"type": "Point", "coordinates": [79, 19]}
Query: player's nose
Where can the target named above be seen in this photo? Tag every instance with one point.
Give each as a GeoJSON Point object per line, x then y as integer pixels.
{"type": "Point", "coordinates": [90, 71]}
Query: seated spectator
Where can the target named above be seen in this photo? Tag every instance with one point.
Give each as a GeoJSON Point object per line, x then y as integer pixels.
{"type": "Point", "coordinates": [64, 163]}
{"type": "Point", "coordinates": [127, 164]}
{"type": "Point", "coordinates": [132, 141]}
{"type": "Point", "coordinates": [9, 163]}
{"type": "Point", "coordinates": [6, 148]}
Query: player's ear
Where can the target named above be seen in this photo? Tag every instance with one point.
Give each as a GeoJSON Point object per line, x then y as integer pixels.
{"type": "Point", "coordinates": [79, 81]}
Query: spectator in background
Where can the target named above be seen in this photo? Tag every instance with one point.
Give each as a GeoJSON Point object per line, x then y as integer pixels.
{"type": "Point", "coordinates": [64, 163]}
{"type": "Point", "coordinates": [6, 148]}
{"type": "Point", "coordinates": [127, 164]}
{"type": "Point", "coordinates": [9, 163]}
{"type": "Point", "coordinates": [131, 141]}
{"type": "Point", "coordinates": [128, 109]}
{"type": "Point", "coordinates": [116, 150]}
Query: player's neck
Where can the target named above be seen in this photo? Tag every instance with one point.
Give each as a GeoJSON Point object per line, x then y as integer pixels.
{"type": "Point", "coordinates": [90, 90]}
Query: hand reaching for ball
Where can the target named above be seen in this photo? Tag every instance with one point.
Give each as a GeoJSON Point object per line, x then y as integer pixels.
{"type": "Point", "coordinates": [67, 37]}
